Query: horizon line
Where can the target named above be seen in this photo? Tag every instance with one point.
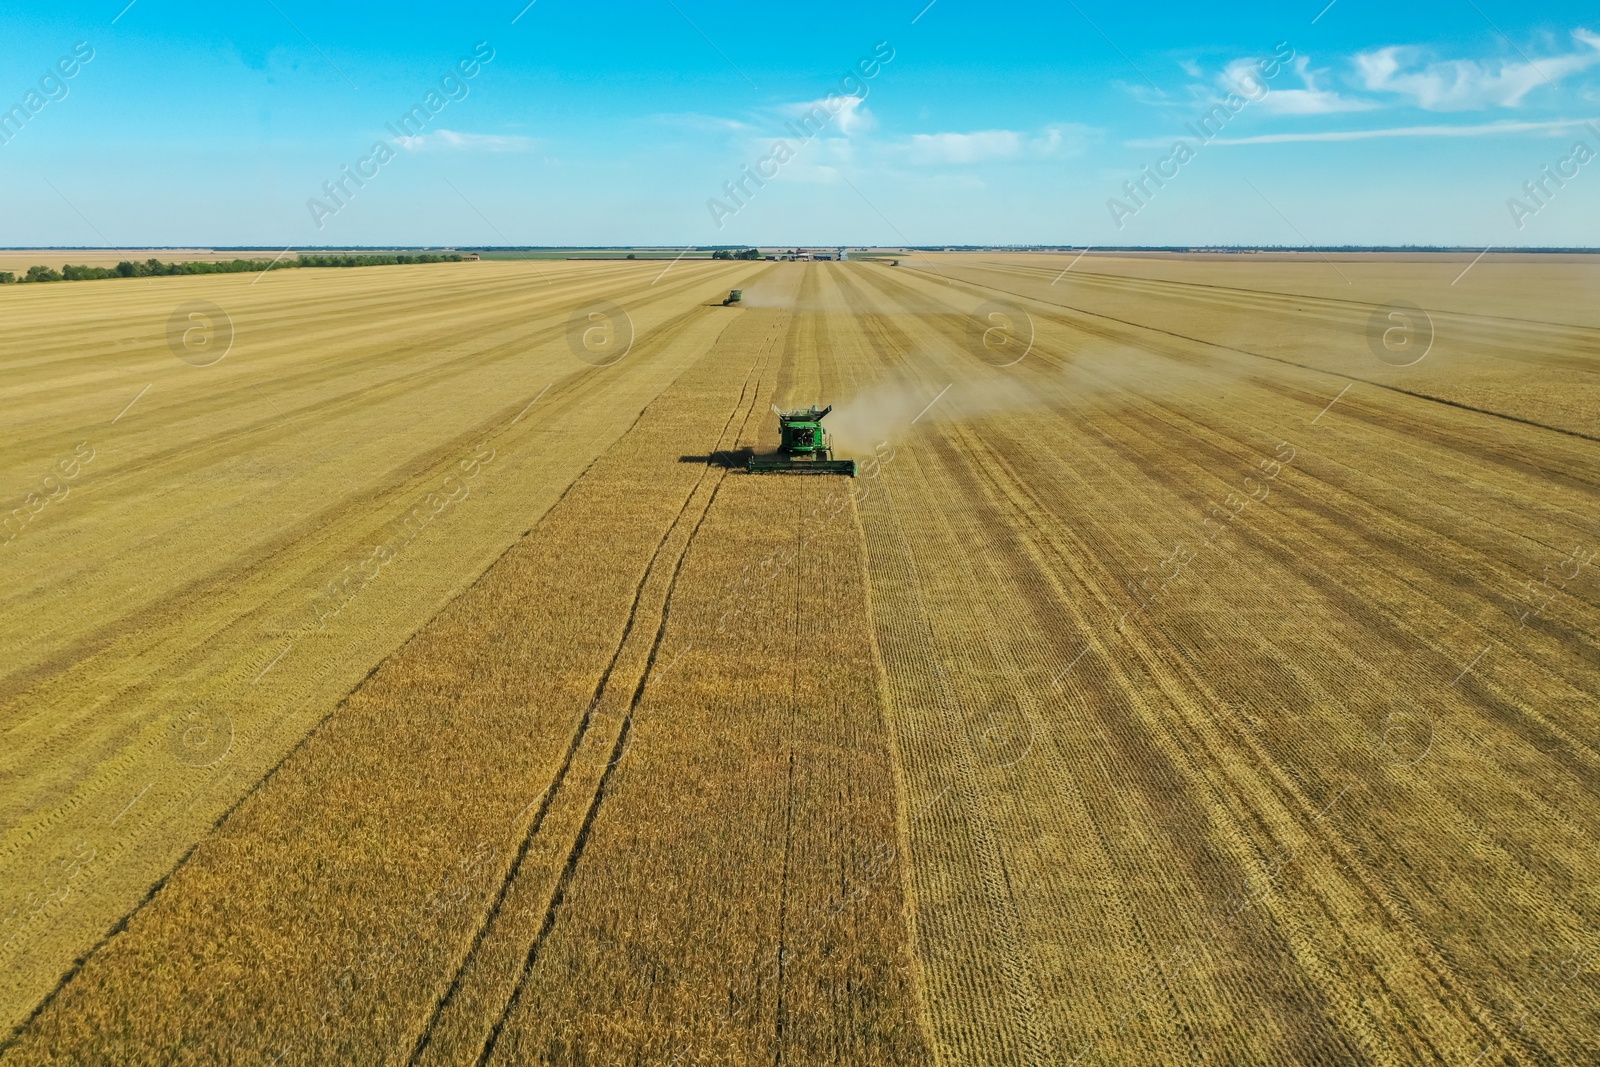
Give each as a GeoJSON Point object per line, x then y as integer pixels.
{"type": "Point", "coordinates": [931, 247]}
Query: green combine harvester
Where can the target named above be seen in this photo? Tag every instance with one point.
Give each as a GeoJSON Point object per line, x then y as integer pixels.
{"type": "Point", "coordinates": [805, 448]}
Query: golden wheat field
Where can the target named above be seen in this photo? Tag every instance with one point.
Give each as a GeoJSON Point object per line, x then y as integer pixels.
{"type": "Point", "coordinates": [400, 667]}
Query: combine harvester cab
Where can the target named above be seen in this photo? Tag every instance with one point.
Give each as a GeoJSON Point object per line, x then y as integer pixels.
{"type": "Point", "coordinates": [734, 296]}
{"type": "Point", "coordinates": [805, 448]}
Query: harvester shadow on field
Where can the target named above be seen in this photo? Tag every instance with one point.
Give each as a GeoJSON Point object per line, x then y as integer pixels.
{"type": "Point", "coordinates": [726, 459]}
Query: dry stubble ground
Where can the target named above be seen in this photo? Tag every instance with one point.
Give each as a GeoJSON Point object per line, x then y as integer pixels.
{"type": "Point", "coordinates": [1217, 722]}
{"type": "Point", "coordinates": [184, 569]}
{"type": "Point", "coordinates": [1265, 813]}
{"type": "Point", "coordinates": [508, 845]}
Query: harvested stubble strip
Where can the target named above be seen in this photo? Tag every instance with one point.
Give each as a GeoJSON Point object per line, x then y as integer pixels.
{"type": "Point", "coordinates": [325, 918]}
{"type": "Point", "coordinates": [349, 858]}
{"type": "Point", "coordinates": [180, 568]}
{"type": "Point", "coordinates": [1390, 927]}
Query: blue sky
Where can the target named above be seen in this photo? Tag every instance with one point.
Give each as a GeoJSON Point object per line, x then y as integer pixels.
{"type": "Point", "coordinates": [617, 123]}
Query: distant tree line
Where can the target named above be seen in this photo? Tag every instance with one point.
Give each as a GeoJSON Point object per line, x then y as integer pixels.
{"type": "Point", "coordinates": [375, 260]}
{"type": "Point", "coordinates": [155, 268]}
{"type": "Point", "coordinates": [728, 253]}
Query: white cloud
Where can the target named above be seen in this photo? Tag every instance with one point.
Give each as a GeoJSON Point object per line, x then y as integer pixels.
{"type": "Point", "coordinates": [451, 141]}
{"type": "Point", "coordinates": [1142, 93]}
{"type": "Point", "coordinates": [854, 118]}
{"type": "Point", "coordinates": [965, 147]}
{"type": "Point", "coordinates": [1465, 84]}
{"type": "Point", "coordinates": [987, 145]}
{"type": "Point", "coordinates": [851, 118]}
{"type": "Point", "coordinates": [1491, 129]}
{"type": "Point", "coordinates": [1241, 76]}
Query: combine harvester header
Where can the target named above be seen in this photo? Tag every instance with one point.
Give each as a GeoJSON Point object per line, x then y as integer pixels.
{"type": "Point", "coordinates": [805, 448]}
